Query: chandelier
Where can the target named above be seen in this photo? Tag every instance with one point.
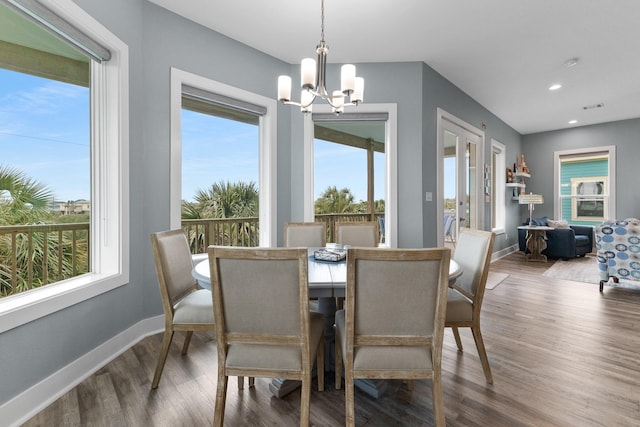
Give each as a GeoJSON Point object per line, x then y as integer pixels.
{"type": "Point", "coordinates": [313, 81]}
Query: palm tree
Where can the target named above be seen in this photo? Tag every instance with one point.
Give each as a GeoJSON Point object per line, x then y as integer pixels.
{"type": "Point", "coordinates": [22, 199]}
{"type": "Point", "coordinates": [226, 200]}
{"type": "Point", "coordinates": [25, 201]}
{"type": "Point", "coordinates": [333, 200]}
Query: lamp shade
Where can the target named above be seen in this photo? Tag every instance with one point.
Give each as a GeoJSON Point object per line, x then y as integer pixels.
{"type": "Point", "coordinates": [531, 199]}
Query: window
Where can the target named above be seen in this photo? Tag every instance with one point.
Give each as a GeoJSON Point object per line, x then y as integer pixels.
{"type": "Point", "coordinates": [212, 103]}
{"type": "Point", "coordinates": [584, 188]}
{"type": "Point", "coordinates": [220, 157]}
{"type": "Point", "coordinates": [377, 158]}
{"type": "Point", "coordinates": [104, 167]}
{"type": "Point", "coordinates": [498, 188]}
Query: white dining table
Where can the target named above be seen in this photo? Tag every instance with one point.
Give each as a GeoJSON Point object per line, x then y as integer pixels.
{"type": "Point", "coordinates": [327, 281]}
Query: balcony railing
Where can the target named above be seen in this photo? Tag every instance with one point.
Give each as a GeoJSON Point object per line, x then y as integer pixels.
{"type": "Point", "coordinates": [37, 255]}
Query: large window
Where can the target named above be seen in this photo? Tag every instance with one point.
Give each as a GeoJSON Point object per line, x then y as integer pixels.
{"type": "Point", "coordinates": [361, 146]}
{"type": "Point", "coordinates": [220, 172]}
{"type": "Point", "coordinates": [223, 142]}
{"type": "Point", "coordinates": [584, 187]}
{"type": "Point", "coordinates": [64, 162]}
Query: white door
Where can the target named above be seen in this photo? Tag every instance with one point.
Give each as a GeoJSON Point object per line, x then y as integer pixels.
{"type": "Point", "coordinates": [462, 175]}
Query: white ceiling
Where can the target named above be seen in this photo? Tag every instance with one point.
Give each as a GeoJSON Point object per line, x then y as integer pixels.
{"type": "Point", "coordinates": [503, 53]}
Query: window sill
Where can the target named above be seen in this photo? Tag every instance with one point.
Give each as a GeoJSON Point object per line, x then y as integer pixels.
{"type": "Point", "coordinates": [28, 306]}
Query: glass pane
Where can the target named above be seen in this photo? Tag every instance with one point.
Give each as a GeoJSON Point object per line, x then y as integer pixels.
{"type": "Point", "coordinates": [471, 185]}
{"type": "Point", "coordinates": [220, 179]}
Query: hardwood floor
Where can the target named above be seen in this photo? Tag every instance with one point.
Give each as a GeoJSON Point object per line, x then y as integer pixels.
{"type": "Point", "coordinates": [562, 354]}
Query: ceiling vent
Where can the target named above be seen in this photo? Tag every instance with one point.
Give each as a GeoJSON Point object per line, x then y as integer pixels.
{"type": "Point", "coordinates": [591, 107]}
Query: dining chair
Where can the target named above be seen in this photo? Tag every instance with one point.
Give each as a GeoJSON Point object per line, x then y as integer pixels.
{"type": "Point", "coordinates": [357, 234]}
{"type": "Point", "coordinates": [186, 306]}
{"type": "Point", "coordinates": [473, 253]}
{"type": "Point", "coordinates": [392, 326]}
{"type": "Point", "coordinates": [263, 324]}
{"type": "Point", "coordinates": [304, 234]}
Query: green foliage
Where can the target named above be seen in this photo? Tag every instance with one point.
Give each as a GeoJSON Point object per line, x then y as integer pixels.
{"type": "Point", "coordinates": [223, 200]}
{"type": "Point", "coordinates": [24, 201]}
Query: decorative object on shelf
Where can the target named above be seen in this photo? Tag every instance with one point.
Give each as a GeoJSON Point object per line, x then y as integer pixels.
{"type": "Point", "coordinates": [531, 200]}
{"type": "Point", "coordinates": [522, 165]}
{"type": "Point", "coordinates": [509, 175]}
{"type": "Point", "coordinates": [313, 81]}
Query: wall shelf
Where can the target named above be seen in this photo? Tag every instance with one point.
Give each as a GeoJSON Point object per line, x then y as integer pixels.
{"type": "Point", "coordinates": [518, 185]}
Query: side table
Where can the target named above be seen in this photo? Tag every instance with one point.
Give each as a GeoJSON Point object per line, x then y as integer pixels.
{"type": "Point", "coordinates": [536, 241]}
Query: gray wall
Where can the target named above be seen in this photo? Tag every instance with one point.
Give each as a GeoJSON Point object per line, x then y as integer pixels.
{"type": "Point", "coordinates": [539, 150]}
{"type": "Point", "coordinates": [159, 40]}
{"type": "Point", "coordinates": [439, 92]}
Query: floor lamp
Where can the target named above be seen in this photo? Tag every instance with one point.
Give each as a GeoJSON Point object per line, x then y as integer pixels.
{"type": "Point", "coordinates": [531, 199]}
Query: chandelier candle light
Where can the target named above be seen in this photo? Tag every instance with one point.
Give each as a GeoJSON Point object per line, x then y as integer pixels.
{"type": "Point", "coordinates": [313, 81]}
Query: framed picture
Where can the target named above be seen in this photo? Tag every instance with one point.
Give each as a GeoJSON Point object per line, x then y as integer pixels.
{"type": "Point", "coordinates": [588, 198]}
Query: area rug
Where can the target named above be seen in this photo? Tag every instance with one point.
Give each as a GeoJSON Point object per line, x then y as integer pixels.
{"type": "Point", "coordinates": [494, 279]}
{"type": "Point", "coordinates": [584, 269]}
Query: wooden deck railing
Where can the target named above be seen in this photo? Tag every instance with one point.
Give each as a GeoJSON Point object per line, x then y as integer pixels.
{"type": "Point", "coordinates": [36, 255]}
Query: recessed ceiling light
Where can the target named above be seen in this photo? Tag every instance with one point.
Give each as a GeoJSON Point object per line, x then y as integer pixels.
{"type": "Point", "coordinates": [573, 122]}
{"type": "Point", "coordinates": [571, 62]}
{"type": "Point", "coordinates": [555, 86]}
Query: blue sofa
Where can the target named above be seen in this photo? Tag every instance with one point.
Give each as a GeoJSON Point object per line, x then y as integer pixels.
{"type": "Point", "coordinates": [565, 243]}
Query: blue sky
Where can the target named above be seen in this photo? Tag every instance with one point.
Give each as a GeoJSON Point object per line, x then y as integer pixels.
{"type": "Point", "coordinates": [44, 132]}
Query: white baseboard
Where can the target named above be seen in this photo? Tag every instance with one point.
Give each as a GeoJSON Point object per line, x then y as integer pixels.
{"type": "Point", "coordinates": [504, 252]}
{"type": "Point", "coordinates": [21, 408]}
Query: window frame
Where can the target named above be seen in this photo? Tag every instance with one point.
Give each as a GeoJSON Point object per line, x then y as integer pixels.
{"type": "Point", "coordinates": [559, 156]}
{"type": "Point", "coordinates": [109, 92]}
{"type": "Point", "coordinates": [498, 181]}
{"type": "Point", "coordinates": [267, 151]}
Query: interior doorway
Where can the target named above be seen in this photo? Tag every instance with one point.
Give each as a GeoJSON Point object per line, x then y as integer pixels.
{"type": "Point", "coordinates": [460, 148]}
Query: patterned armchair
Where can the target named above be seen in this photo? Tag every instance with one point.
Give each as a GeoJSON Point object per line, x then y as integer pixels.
{"type": "Point", "coordinates": [618, 246]}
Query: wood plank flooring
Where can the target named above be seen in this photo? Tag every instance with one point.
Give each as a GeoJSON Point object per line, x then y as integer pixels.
{"type": "Point", "coordinates": [562, 354]}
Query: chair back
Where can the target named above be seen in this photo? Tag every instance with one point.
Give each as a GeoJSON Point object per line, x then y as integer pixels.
{"type": "Point", "coordinates": [357, 234]}
{"type": "Point", "coordinates": [395, 298]}
{"type": "Point", "coordinates": [260, 297]}
{"type": "Point", "coordinates": [172, 257]}
{"type": "Point", "coordinates": [304, 234]}
{"type": "Point", "coordinates": [473, 254]}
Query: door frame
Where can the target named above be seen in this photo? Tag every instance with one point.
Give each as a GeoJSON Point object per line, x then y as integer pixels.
{"type": "Point", "coordinates": [443, 116]}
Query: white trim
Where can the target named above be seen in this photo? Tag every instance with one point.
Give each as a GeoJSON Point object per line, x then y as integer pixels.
{"type": "Point", "coordinates": [33, 400]}
{"type": "Point", "coordinates": [268, 149]}
{"type": "Point", "coordinates": [611, 150]}
{"type": "Point", "coordinates": [500, 188]}
{"type": "Point", "coordinates": [442, 117]}
{"type": "Point", "coordinates": [110, 184]}
{"type": "Point", "coordinates": [391, 166]}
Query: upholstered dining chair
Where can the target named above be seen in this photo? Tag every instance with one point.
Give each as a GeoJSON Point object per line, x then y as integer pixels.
{"type": "Point", "coordinates": [304, 234]}
{"type": "Point", "coordinates": [357, 234]}
{"type": "Point", "coordinates": [263, 324]}
{"type": "Point", "coordinates": [473, 253]}
{"type": "Point", "coordinates": [393, 331]}
{"type": "Point", "coordinates": [186, 306]}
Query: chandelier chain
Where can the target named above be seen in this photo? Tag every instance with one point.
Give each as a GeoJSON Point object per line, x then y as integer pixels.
{"type": "Point", "coordinates": [322, 21]}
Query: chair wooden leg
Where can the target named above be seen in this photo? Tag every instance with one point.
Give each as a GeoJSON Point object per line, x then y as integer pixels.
{"type": "Point", "coordinates": [221, 397]}
{"type": "Point", "coordinates": [305, 399]}
{"type": "Point", "coordinates": [438, 400]}
{"type": "Point", "coordinates": [338, 363]}
{"type": "Point", "coordinates": [456, 335]}
{"type": "Point", "coordinates": [240, 383]}
{"type": "Point", "coordinates": [349, 401]}
{"type": "Point", "coordinates": [320, 363]}
{"type": "Point", "coordinates": [252, 382]}
{"type": "Point", "coordinates": [187, 341]}
{"type": "Point", "coordinates": [477, 336]}
{"type": "Point", "coordinates": [410, 385]}
{"type": "Point", "coordinates": [162, 357]}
